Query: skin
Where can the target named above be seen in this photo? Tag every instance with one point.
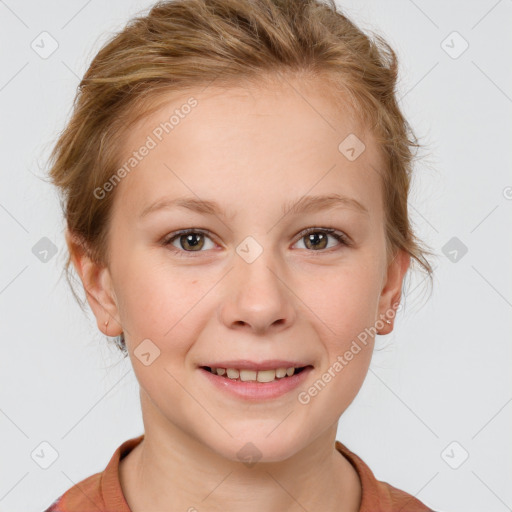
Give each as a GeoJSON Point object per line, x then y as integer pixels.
{"type": "Point", "coordinates": [251, 149]}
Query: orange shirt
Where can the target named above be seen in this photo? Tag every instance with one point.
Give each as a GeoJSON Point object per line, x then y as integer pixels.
{"type": "Point", "coordinates": [102, 491]}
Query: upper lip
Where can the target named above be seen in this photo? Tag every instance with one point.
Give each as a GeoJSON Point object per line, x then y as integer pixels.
{"type": "Point", "coordinates": [245, 364]}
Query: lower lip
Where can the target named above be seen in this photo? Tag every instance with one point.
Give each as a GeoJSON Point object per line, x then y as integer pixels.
{"type": "Point", "coordinates": [252, 390]}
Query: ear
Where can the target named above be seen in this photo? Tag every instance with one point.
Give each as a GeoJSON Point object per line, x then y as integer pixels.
{"type": "Point", "coordinates": [98, 287]}
{"type": "Point", "coordinates": [392, 290]}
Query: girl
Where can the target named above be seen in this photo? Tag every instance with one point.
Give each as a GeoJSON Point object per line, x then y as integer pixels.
{"type": "Point", "coordinates": [235, 177]}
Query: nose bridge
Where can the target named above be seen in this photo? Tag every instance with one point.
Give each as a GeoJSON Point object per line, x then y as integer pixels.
{"type": "Point", "coordinates": [256, 268]}
{"type": "Point", "coordinates": [257, 295]}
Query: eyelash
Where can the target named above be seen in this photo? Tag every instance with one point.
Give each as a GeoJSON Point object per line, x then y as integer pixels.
{"type": "Point", "coordinates": [338, 235]}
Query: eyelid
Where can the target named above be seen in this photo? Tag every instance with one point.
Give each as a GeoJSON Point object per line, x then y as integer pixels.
{"type": "Point", "coordinates": [343, 238]}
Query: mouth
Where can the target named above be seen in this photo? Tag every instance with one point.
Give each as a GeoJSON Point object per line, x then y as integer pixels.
{"type": "Point", "coordinates": [257, 385]}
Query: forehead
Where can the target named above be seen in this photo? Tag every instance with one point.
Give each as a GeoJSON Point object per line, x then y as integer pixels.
{"type": "Point", "coordinates": [280, 138]}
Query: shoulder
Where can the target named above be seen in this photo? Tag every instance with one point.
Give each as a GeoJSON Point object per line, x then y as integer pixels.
{"type": "Point", "coordinates": [84, 496]}
{"type": "Point", "coordinates": [379, 495]}
{"type": "Point", "coordinates": [100, 492]}
{"type": "Point", "coordinates": [397, 500]}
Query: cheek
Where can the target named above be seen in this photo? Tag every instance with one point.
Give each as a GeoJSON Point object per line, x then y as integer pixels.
{"type": "Point", "coordinates": [345, 309]}
{"type": "Point", "coordinates": [161, 303]}
{"type": "Point", "coordinates": [348, 342]}
{"type": "Point", "coordinates": [345, 301]}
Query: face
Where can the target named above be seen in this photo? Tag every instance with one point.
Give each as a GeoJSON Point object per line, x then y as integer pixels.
{"type": "Point", "coordinates": [252, 279]}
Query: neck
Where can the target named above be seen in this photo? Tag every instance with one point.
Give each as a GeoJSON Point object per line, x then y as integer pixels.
{"type": "Point", "coordinates": [170, 470]}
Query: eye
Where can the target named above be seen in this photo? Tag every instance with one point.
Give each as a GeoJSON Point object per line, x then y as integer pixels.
{"type": "Point", "coordinates": [193, 240]}
{"type": "Point", "coordinates": [317, 238]}
{"type": "Point", "coordinates": [188, 240]}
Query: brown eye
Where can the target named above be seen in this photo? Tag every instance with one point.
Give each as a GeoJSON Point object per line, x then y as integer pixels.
{"type": "Point", "coordinates": [188, 241]}
{"type": "Point", "coordinates": [317, 240]}
{"type": "Point", "coordinates": [193, 241]}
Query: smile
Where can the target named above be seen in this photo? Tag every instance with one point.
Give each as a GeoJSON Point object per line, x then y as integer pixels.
{"type": "Point", "coordinates": [255, 375]}
{"type": "Point", "coordinates": [256, 385]}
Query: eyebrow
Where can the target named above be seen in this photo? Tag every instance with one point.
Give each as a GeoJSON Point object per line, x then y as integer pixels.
{"type": "Point", "coordinates": [306, 204]}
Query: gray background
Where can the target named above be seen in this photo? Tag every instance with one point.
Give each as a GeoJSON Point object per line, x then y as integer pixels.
{"type": "Point", "coordinates": [443, 376]}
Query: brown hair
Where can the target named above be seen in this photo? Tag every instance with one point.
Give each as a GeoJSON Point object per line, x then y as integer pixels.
{"type": "Point", "coordinates": [184, 44]}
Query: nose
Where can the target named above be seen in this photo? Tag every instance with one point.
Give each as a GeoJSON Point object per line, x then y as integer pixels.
{"type": "Point", "coordinates": [256, 297]}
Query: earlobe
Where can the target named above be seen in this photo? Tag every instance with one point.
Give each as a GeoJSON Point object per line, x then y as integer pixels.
{"type": "Point", "coordinates": [98, 287]}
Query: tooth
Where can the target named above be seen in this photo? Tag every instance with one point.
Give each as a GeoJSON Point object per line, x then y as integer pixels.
{"type": "Point", "coordinates": [246, 375]}
{"type": "Point", "coordinates": [266, 375]}
{"type": "Point", "coordinates": [280, 373]}
{"type": "Point", "coordinates": [232, 373]}
{"type": "Point", "coordinates": [254, 375]}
